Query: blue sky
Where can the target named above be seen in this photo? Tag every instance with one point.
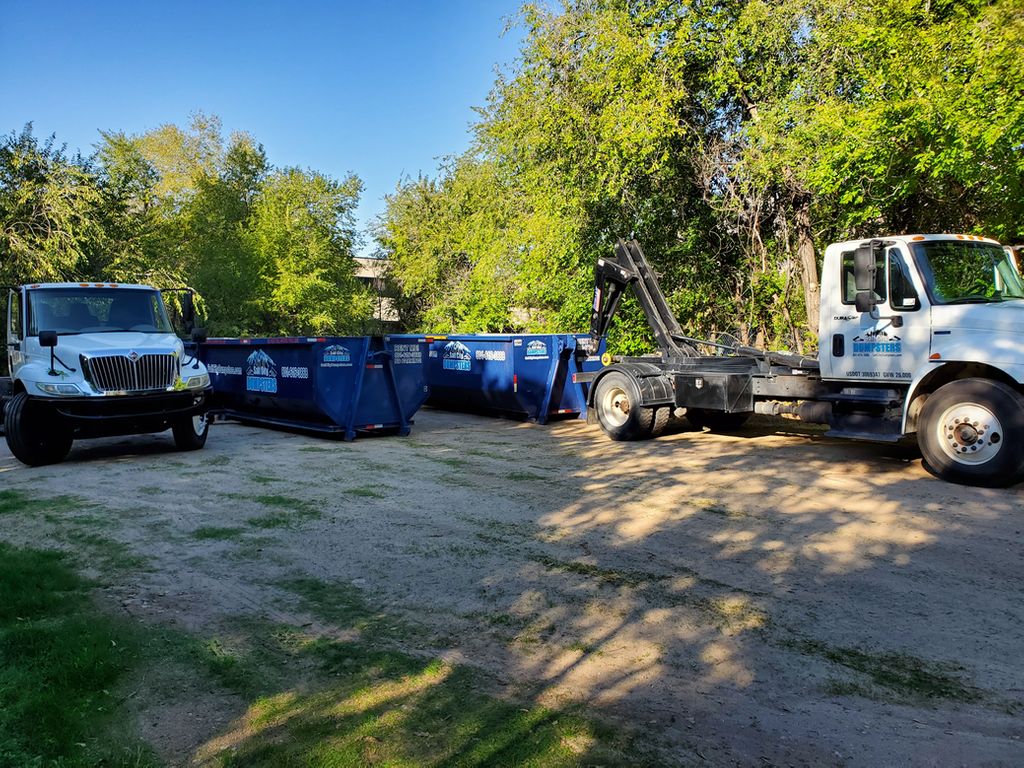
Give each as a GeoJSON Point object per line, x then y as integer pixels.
{"type": "Point", "coordinates": [379, 88]}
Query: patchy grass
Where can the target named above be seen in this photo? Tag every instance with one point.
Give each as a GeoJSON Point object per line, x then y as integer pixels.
{"type": "Point", "coordinates": [315, 449]}
{"type": "Point", "coordinates": [346, 607]}
{"type": "Point", "coordinates": [366, 492]}
{"type": "Point", "coordinates": [19, 502]}
{"type": "Point", "coordinates": [907, 676]}
{"type": "Point", "coordinates": [264, 479]}
{"type": "Point", "coordinates": [287, 511]}
{"type": "Point", "coordinates": [365, 703]}
{"type": "Point", "coordinates": [450, 461]}
{"type": "Point", "coordinates": [523, 476]}
{"type": "Point", "coordinates": [61, 662]}
{"type": "Point", "coordinates": [151, 490]}
{"type": "Point", "coordinates": [484, 454]}
{"type": "Point", "coordinates": [214, 533]}
{"type": "Point", "coordinates": [613, 577]}
{"type": "Point", "coordinates": [390, 708]}
{"type": "Point", "coordinates": [99, 550]}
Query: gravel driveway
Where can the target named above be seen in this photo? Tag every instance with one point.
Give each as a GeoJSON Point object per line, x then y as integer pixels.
{"type": "Point", "coordinates": [768, 598]}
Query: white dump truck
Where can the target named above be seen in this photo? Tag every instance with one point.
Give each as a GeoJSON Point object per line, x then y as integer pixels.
{"type": "Point", "coordinates": [96, 360]}
{"type": "Point", "coordinates": [919, 335]}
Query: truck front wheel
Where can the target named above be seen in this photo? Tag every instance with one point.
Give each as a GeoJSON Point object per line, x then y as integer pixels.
{"type": "Point", "coordinates": [971, 431]}
{"type": "Point", "coordinates": [619, 412]}
{"type": "Point", "coordinates": [35, 435]}
{"type": "Point", "coordinates": [190, 432]}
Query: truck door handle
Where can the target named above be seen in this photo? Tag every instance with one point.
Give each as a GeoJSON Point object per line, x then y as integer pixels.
{"type": "Point", "coordinates": [838, 345]}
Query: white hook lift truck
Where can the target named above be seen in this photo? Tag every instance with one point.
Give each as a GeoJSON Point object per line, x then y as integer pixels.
{"type": "Point", "coordinates": [919, 335]}
{"type": "Point", "coordinates": [97, 360]}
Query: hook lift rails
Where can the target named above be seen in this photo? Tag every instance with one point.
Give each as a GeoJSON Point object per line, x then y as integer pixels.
{"type": "Point", "coordinates": [921, 335]}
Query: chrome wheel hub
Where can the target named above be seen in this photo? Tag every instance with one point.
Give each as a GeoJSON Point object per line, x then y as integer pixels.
{"type": "Point", "coordinates": [615, 406]}
{"type": "Point", "coordinates": [969, 433]}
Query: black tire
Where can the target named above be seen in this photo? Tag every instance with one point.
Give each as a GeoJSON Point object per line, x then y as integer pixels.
{"type": "Point", "coordinates": [971, 431]}
{"type": "Point", "coordinates": [190, 433]}
{"type": "Point", "coordinates": [660, 420]}
{"type": "Point", "coordinates": [617, 400]}
{"type": "Point", "coordinates": [35, 435]}
{"type": "Point", "coordinates": [716, 421]}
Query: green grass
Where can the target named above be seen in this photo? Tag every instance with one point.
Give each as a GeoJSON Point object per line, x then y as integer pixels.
{"type": "Point", "coordinates": [214, 533]}
{"type": "Point", "coordinates": [61, 662]}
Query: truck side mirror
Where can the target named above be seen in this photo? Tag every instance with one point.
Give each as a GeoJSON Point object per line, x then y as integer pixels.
{"type": "Point", "coordinates": [48, 339]}
{"type": "Point", "coordinates": [864, 268]}
{"type": "Point", "coordinates": [864, 301]}
{"type": "Point", "coordinates": [188, 308]}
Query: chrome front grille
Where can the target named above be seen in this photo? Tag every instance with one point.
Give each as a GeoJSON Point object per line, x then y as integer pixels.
{"type": "Point", "coordinates": [119, 373]}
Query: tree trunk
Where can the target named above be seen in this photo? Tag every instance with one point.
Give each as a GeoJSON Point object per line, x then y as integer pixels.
{"type": "Point", "coordinates": [808, 259]}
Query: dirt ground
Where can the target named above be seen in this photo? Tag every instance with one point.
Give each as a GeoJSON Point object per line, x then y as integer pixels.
{"type": "Point", "coordinates": [770, 598]}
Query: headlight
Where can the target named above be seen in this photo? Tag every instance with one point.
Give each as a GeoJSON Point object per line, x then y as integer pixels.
{"type": "Point", "coordinates": [59, 389]}
{"type": "Point", "coordinates": [198, 382]}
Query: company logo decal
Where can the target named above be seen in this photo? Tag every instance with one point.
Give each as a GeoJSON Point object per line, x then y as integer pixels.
{"type": "Point", "coordinates": [536, 350]}
{"type": "Point", "coordinates": [874, 343]}
{"type": "Point", "coordinates": [336, 356]}
{"type": "Point", "coordinates": [133, 356]}
{"type": "Point", "coordinates": [456, 357]}
{"type": "Point", "coordinates": [260, 373]}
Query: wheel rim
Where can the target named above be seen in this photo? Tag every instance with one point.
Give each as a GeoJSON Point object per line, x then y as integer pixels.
{"type": "Point", "coordinates": [199, 424]}
{"type": "Point", "coordinates": [615, 406]}
{"type": "Point", "coordinates": [969, 433]}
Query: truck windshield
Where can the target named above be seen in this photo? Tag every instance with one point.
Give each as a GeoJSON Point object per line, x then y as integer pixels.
{"type": "Point", "coordinates": [96, 310]}
{"type": "Point", "coordinates": [963, 272]}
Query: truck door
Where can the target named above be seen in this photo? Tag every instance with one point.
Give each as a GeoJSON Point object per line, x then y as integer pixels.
{"type": "Point", "coordinates": [889, 342]}
{"type": "Point", "coordinates": [12, 332]}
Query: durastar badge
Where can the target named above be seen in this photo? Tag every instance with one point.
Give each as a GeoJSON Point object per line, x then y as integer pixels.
{"type": "Point", "coordinates": [133, 356]}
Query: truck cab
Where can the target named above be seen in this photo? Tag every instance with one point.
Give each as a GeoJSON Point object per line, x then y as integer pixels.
{"type": "Point", "coordinates": [934, 301]}
{"type": "Point", "coordinates": [93, 360]}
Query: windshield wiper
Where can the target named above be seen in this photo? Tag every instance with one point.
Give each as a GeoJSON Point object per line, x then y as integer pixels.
{"type": "Point", "coordinates": [975, 300]}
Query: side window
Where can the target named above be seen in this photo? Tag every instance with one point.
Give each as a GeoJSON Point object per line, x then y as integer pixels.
{"type": "Point", "coordinates": [902, 294]}
{"type": "Point", "coordinates": [849, 283]}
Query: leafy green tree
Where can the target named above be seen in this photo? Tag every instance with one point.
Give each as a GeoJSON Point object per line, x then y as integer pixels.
{"type": "Point", "coordinates": [303, 235]}
{"type": "Point", "coordinates": [49, 227]}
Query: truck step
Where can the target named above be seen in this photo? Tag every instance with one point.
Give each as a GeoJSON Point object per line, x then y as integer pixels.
{"type": "Point", "coordinates": [875, 396]}
{"type": "Point", "coordinates": [874, 437]}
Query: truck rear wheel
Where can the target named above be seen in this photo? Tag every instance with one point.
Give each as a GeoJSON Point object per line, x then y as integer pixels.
{"type": "Point", "coordinates": [190, 432]}
{"type": "Point", "coordinates": [619, 412]}
{"type": "Point", "coordinates": [971, 431]}
{"type": "Point", "coordinates": [716, 421]}
{"type": "Point", "coordinates": [660, 421]}
{"type": "Point", "coordinates": [35, 435]}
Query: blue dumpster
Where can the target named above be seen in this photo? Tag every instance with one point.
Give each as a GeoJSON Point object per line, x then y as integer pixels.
{"type": "Point", "coordinates": [524, 375]}
{"type": "Point", "coordinates": [339, 384]}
